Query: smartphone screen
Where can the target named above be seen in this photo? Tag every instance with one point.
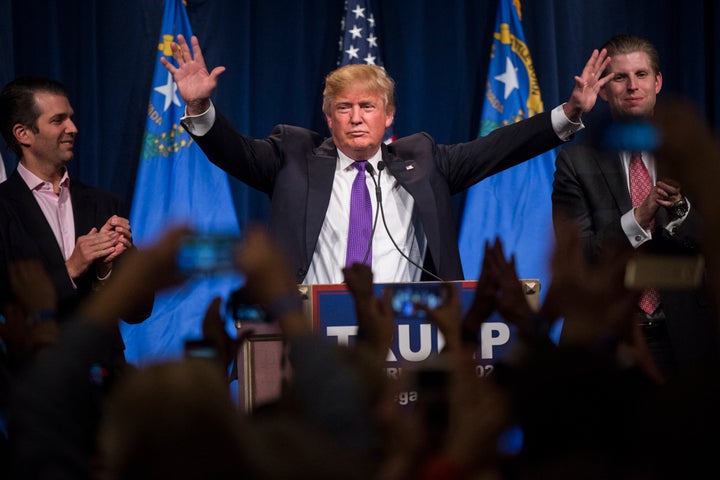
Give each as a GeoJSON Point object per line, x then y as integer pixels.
{"type": "Point", "coordinates": [248, 313]}
{"type": "Point", "coordinates": [406, 297]}
{"type": "Point", "coordinates": [207, 254]}
{"type": "Point", "coordinates": [200, 348]}
{"type": "Point", "coordinates": [670, 272]}
{"type": "Point", "coordinates": [242, 309]}
{"type": "Point", "coordinates": [632, 135]}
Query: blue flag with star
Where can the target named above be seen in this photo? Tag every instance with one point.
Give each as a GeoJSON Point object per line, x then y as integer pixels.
{"type": "Point", "coordinates": [359, 41]}
{"type": "Point", "coordinates": [176, 184]}
{"type": "Point", "coordinates": [515, 204]}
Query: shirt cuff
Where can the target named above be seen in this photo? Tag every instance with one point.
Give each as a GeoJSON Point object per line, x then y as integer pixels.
{"type": "Point", "coordinates": [199, 125]}
{"type": "Point", "coordinates": [563, 126]}
{"type": "Point", "coordinates": [635, 233]}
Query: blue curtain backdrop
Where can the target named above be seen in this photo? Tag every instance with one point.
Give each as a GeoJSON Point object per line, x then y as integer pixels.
{"type": "Point", "coordinates": [277, 53]}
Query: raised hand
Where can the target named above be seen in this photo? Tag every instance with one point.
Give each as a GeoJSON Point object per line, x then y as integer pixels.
{"type": "Point", "coordinates": [483, 302]}
{"type": "Point", "coordinates": [269, 280]}
{"type": "Point", "coordinates": [374, 315]}
{"type": "Point", "coordinates": [192, 78]}
{"type": "Point", "coordinates": [446, 317]}
{"type": "Point", "coordinates": [34, 293]}
{"type": "Point", "coordinates": [592, 297]}
{"type": "Point", "coordinates": [510, 300]}
{"type": "Point", "coordinates": [587, 85]}
{"type": "Point", "coordinates": [213, 328]}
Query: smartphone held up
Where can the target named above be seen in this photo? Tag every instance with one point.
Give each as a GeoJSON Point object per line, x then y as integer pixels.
{"type": "Point", "coordinates": [407, 297]}
{"type": "Point", "coordinates": [208, 253]}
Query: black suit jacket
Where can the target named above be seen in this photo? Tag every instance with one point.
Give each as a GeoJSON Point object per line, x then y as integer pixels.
{"type": "Point", "coordinates": [25, 233]}
{"type": "Point", "coordinates": [296, 167]}
{"type": "Point", "coordinates": [590, 187]}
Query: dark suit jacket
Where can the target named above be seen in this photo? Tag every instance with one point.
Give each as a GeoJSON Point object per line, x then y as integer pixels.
{"type": "Point", "coordinates": [590, 187]}
{"type": "Point", "coordinates": [296, 167]}
{"type": "Point", "coordinates": [25, 233]}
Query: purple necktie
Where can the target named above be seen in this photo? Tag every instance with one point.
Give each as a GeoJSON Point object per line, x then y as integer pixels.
{"type": "Point", "coordinates": [360, 231]}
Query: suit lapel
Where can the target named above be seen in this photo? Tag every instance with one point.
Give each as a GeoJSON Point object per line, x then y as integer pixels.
{"type": "Point", "coordinates": [412, 175]}
{"type": "Point", "coordinates": [321, 174]}
{"type": "Point", "coordinates": [83, 206]}
{"type": "Point", "coordinates": [32, 217]}
{"type": "Point", "coordinates": [611, 167]}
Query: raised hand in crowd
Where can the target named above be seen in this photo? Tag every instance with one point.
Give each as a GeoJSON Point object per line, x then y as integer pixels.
{"type": "Point", "coordinates": [31, 323]}
{"type": "Point", "coordinates": [498, 289]}
{"type": "Point", "coordinates": [483, 303]}
{"type": "Point", "coordinates": [269, 282]}
{"type": "Point", "coordinates": [446, 316]}
{"type": "Point", "coordinates": [213, 330]}
{"type": "Point", "coordinates": [478, 412]}
{"type": "Point", "coordinates": [375, 318]}
{"type": "Point", "coordinates": [510, 300]}
{"type": "Point", "coordinates": [597, 308]}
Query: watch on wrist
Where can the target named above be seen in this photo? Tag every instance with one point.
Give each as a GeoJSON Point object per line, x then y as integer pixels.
{"type": "Point", "coordinates": [679, 209]}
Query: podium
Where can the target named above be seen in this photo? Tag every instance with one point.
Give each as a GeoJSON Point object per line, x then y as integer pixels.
{"type": "Point", "coordinates": [331, 311]}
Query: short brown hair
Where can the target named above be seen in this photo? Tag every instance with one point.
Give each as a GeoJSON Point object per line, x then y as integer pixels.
{"type": "Point", "coordinates": [625, 43]}
{"type": "Point", "coordinates": [18, 105]}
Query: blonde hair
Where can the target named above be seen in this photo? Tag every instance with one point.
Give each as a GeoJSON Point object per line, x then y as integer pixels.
{"type": "Point", "coordinates": [372, 77]}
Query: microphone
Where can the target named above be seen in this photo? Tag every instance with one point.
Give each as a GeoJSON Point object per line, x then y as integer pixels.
{"type": "Point", "coordinates": [378, 193]}
{"type": "Point", "coordinates": [371, 170]}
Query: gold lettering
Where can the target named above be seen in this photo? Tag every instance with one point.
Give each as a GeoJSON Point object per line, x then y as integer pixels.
{"type": "Point", "coordinates": [154, 115]}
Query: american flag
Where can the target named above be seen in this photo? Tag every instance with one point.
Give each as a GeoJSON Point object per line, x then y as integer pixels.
{"type": "Point", "coordinates": [358, 40]}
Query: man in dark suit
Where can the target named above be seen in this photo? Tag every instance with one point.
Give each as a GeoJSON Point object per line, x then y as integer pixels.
{"type": "Point", "coordinates": [308, 177]}
{"type": "Point", "coordinates": [593, 187]}
{"type": "Point", "coordinates": [78, 232]}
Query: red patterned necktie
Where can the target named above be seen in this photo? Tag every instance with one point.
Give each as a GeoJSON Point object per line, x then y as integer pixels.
{"type": "Point", "coordinates": [640, 186]}
{"type": "Point", "coordinates": [360, 230]}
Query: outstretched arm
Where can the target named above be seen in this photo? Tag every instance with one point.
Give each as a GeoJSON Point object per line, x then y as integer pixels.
{"type": "Point", "coordinates": [587, 85]}
{"type": "Point", "coordinates": [191, 75]}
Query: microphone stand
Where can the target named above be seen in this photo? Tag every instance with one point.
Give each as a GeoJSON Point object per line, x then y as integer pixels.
{"type": "Point", "coordinates": [378, 194]}
{"type": "Point", "coordinates": [369, 168]}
